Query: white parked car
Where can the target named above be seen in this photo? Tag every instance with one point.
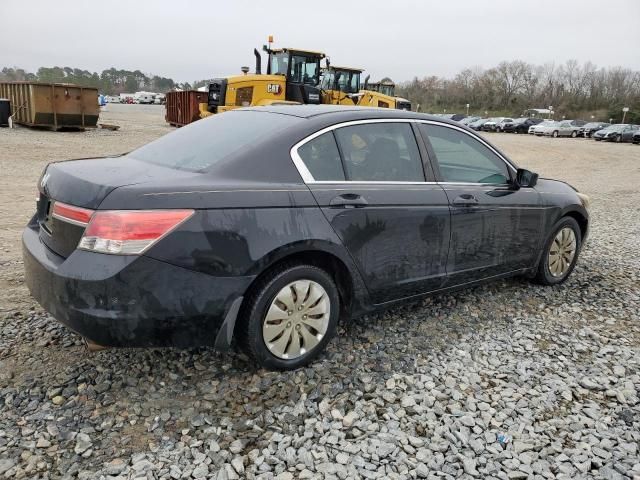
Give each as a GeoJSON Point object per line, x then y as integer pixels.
{"type": "Point", "coordinates": [534, 128]}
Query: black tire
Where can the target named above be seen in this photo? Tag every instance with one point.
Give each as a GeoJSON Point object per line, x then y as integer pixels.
{"type": "Point", "coordinates": [555, 134]}
{"type": "Point", "coordinates": [597, 139]}
{"type": "Point", "coordinates": [618, 138]}
{"type": "Point", "coordinates": [574, 134]}
{"type": "Point", "coordinates": [254, 309]}
{"type": "Point", "coordinates": [543, 275]}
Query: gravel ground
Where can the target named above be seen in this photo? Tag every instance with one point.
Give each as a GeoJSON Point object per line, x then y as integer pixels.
{"type": "Point", "coordinates": [510, 380]}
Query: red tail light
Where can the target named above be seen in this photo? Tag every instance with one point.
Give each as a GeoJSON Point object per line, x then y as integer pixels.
{"type": "Point", "coordinates": [129, 232]}
{"type": "Point", "coordinates": [71, 214]}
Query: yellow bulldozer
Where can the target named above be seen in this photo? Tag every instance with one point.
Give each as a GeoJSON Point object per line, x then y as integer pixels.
{"type": "Point", "coordinates": [293, 76]}
{"type": "Point", "coordinates": [341, 86]}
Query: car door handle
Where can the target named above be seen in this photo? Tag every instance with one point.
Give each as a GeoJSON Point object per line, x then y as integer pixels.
{"type": "Point", "coordinates": [348, 200]}
{"type": "Point", "coordinates": [465, 200]}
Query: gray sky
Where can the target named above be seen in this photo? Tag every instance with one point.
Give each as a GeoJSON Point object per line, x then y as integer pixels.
{"type": "Point", "coordinates": [199, 39]}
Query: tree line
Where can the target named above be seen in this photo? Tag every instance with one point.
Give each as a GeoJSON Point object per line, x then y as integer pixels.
{"type": "Point", "coordinates": [574, 90]}
{"type": "Point", "coordinates": [110, 82]}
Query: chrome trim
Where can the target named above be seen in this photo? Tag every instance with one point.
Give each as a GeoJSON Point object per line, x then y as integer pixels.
{"type": "Point", "coordinates": [308, 178]}
{"type": "Point", "coordinates": [370, 182]}
{"type": "Point", "coordinates": [227, 191]}
{"type": "Point", "coordinates": [69, 220]}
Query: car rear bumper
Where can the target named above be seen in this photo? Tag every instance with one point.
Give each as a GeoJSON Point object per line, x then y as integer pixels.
{"type": "Point", "coordinates": [129, 301]}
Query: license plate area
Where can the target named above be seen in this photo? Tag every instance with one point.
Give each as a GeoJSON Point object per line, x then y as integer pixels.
{"type": "Point", "coordinates": [47, 218]}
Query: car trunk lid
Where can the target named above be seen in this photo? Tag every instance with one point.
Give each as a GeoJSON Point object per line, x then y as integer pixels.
{"type": "Point", "coordinates": [86, 183]}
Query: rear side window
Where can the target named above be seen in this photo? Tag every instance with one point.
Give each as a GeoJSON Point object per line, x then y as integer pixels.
{"type": "Point", "coordinates": [380, 152]}
{"type": "Point", "coordinates": [463, 159]}
{"type": "Point", "coordinates": [322, 158]}
{"type": "Point", "coordinates": [202, 144]}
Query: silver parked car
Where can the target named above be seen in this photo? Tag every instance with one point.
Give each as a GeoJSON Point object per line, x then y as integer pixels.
{"type": "Point", "coordinates": [558, 129]}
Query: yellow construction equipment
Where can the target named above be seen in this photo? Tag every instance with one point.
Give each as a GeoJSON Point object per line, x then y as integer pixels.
{"type": "Point", "coordinates": [293, 76]}
{"type": "Point", "coordinates": [341, 86]}
{"type": "Point", "coordinates": [387, 87]}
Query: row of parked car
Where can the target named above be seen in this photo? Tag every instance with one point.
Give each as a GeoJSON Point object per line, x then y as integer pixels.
{"type": "Point", "coordinates": [599, 131]}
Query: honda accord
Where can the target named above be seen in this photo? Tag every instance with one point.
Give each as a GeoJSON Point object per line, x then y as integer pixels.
{"type": "Point", "coordinates": [264, 227]}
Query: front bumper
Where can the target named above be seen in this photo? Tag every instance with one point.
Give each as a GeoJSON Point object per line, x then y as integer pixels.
{"type": "Point", "coordinates": [129, 301]}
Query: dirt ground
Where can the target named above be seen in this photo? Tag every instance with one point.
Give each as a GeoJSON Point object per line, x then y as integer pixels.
{"type": "Point", "coordinates": [605, 171]}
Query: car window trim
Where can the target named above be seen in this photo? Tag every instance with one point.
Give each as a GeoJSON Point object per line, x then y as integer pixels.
{"type": "Point", "coordinates": [308, 178]}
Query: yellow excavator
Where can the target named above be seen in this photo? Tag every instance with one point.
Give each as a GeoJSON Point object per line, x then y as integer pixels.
{"type": "Point", "coordinates": [341, 86]}
{"type": "Point", "coordinates": [293, 76]}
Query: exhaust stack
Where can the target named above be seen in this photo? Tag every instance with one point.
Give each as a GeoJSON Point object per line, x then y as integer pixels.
{"type": "Point", "coordinates": [258, 61]}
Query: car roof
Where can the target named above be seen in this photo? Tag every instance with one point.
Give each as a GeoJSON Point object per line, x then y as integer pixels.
{"type": "Point", "coordinates": [344, 113]}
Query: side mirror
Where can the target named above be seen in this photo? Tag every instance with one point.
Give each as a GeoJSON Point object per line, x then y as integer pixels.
{"type": "Point", "coordinates": [526, 178]}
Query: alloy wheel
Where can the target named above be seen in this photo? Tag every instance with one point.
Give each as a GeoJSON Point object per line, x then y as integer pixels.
{"type": "Point", "coordinates": [297, 319]}
{"type": "Point", "coordinates": [562, 252]}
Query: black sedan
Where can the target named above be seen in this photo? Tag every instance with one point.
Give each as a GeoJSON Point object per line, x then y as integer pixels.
{"type": "Point", "coordinates": [521, 125]}
{"type": "Point", "coordinates": [268, 225]}
{"type": "Point", "coordinates": [590, 128]}
{"type": "Point", "coordinates": [620, 132]}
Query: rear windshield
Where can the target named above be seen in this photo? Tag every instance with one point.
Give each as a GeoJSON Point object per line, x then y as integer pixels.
{"type": "Point", "coordinates": [200, 145]}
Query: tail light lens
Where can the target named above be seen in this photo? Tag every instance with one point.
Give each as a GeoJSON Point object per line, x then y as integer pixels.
{"type": "Point", "coordinates": [72, 214]}
{"type": "Point", "coordinates": [129, 232]}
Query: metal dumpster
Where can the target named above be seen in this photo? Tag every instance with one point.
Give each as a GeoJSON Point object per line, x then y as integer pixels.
{"type": "Point", "coordinates": [53, 105]}
{"type": "Point", "coordinates": [182, 107]}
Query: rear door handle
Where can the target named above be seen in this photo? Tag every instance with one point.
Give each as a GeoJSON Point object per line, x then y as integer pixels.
{"type": "Point", "coordinates": [465, 200]}
{"type": "Point", "coordinates": [348, 200]}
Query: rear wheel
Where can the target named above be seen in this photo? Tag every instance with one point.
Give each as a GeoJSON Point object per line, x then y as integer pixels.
{"type": "Point", "coordinates": [289, 317]}
{"type": "Point", "coordinates": [560, 253]}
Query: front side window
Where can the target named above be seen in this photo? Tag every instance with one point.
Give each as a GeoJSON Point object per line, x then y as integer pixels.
{"type": "Point", "coordinates": [305, 69]}
{"type": "Point", "coordinates": [380, 152]}
{"type": "Point", "coordinates": [463, 159]}
{"type": "Point", "coordinates": [349, 82]}
{"type": "Point", "coordinates": [280, 64]}
{"type": "Point", "coordinates": [327, 80]}
{"type": "Point", "coordinates": [322, 158]}
{"type": "Point", "coordinates": [387, 90]}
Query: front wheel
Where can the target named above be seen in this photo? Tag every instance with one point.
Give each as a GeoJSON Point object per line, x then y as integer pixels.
{"type": "Point", "coordinates": [574, 134]}
{"type": "Point", "coordinates": [555, 134]}
{"type": "Point", "coordinates": [289, 317]}
{"type": "Point", "coordinates": [618, 138]}
{"type": "Point", "coordinates": [560, 253]}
